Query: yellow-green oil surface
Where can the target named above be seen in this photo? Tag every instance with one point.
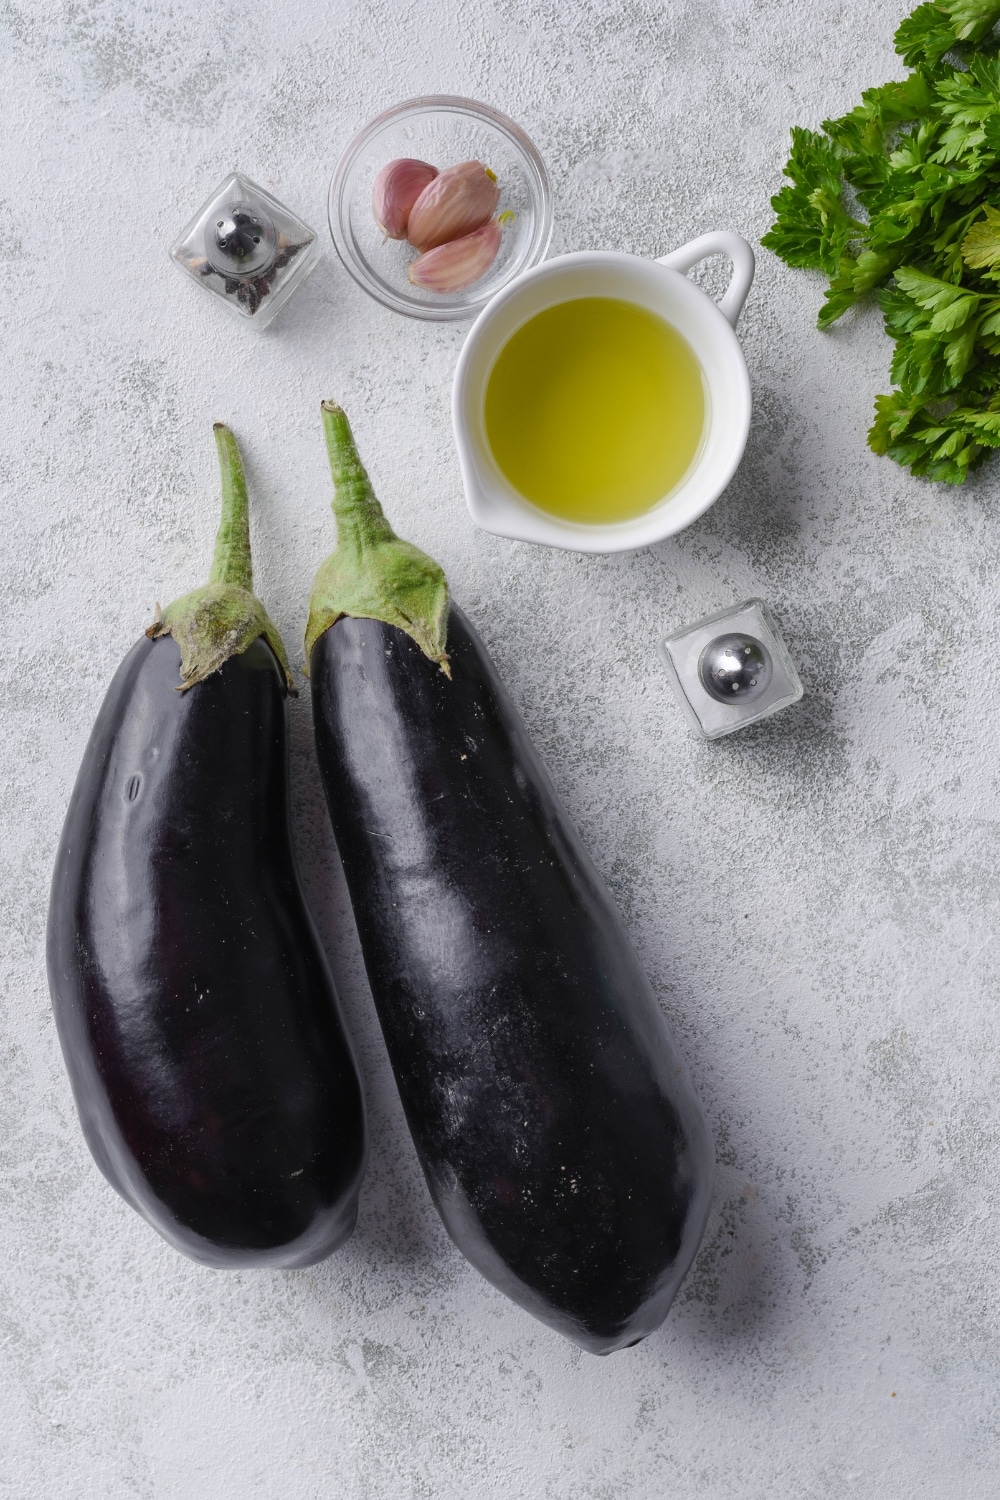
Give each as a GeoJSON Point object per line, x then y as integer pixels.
{"type": "Point", "coordinates": [595, 409]}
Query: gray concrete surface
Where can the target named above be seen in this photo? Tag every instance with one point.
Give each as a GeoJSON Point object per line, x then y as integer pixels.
{"type": "Point", "coordinates": [815, 900]}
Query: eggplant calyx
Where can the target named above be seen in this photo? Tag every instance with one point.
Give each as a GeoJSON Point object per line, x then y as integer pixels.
{"type": "Point", "coordinates": [373, 574]}
{"type": "Point", "coordinates": [223, 617]}
{"type": "Point", "coordinates": [213, 623]}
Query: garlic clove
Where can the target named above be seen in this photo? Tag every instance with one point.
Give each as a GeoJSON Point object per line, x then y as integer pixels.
{"type": "Point", "coordinates": [449, 268]}
{"type": "Point", "coordinates": [459, 200]}
{"type": "Point", "coordinates": [396, 188]}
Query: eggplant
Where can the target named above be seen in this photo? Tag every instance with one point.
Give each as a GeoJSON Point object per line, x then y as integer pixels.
{"type": "Point", "coordinates": [213, 1077]}
{"type": "Point", "coordinates": [560, 1137]}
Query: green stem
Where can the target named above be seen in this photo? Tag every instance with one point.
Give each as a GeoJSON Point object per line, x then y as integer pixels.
{"type": "Point", "coordinates": [223, 617]}
{"type": "Point", "coordinates": [360, 519]}
{"type": "Point", "coordinates": [373, 574]}
{"type": "Point", "coordinates": [231, 562]}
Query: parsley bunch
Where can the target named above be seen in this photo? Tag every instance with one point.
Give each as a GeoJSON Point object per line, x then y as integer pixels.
{"type": "Point", "coordinates": [901, 197]}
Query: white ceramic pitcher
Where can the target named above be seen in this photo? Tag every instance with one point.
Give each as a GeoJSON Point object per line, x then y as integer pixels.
{"type": "Point", "coordinates": [662, 287]}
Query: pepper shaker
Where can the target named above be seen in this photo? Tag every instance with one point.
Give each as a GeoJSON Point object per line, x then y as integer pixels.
{"type": "Point", "coordinates": [246, 248]}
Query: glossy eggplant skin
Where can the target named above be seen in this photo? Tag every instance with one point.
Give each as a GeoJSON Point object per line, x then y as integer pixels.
{"type": "Point", "coordinates": [561, 1140]}
{"type": "Point", "coordinates": [213, 1078]}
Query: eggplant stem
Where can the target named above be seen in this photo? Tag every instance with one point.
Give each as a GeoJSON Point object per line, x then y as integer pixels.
{"type": "Point", "coordinates": [360, 518]}
{"type": "Point", "coordinates": [231, 561]}
{"type": "Point", "coordinates": [223, 617]}
{"type": "Point", "coordinates": [373, 574]}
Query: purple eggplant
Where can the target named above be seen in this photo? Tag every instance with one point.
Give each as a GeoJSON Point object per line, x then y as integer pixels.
{"type": "Point", "coordinates": [214, 1080]}
{"type": "Point", "coordinates": [560, 1137]}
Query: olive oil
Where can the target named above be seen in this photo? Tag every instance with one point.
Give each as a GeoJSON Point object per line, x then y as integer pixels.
{"type": "Point", "coordinates": [595, 409]}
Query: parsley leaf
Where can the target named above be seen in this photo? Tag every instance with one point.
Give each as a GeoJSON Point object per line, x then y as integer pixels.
{"type": "Point", "coordinates": [981, 246]}
{"type": "Point", "coordinates": [932, 30]}
{"type": "Point", "coordinates": [812, 227]}
{"type": "Point", "coordinates": [901, 198]}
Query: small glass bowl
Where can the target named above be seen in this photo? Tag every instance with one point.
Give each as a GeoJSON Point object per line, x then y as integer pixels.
{"type": "Point", "coordinates": [443, 130]}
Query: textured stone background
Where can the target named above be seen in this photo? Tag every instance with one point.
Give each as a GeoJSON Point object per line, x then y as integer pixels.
{"type": "Point", "coordinates": [815, 899]}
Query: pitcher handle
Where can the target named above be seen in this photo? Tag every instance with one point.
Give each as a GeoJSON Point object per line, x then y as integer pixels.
{"type": "Point", "coordinates": [719, 242]}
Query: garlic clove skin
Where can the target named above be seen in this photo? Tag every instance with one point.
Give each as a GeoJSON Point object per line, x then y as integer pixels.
{"type": "Point", "coordinates": [395, 190]}
{"type": "Point", "coordinates": [458, 201]}
{"type": "Point", "coordinates": [449, 268]}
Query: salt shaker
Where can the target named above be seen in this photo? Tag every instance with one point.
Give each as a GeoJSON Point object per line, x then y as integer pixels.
{"type": "Point", "coordinates": [731, 669]}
